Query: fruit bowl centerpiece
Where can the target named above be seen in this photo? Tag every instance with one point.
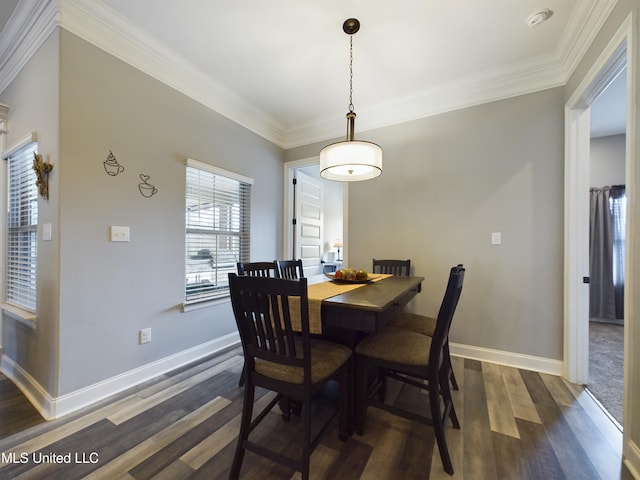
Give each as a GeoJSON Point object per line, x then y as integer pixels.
{"type": "Point", "coordinates": [350, 275]}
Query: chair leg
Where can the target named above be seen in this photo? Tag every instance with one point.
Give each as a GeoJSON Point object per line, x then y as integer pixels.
{"type": "Point", "coordinates": [382, 389]}
{"type": "Point", "coordinates": [450, 410]}
{"type": "Point", "coordinates": [438, 425]}
{"type": "Point", "coordinates": [285, 408]}
{"type": "Point", "coordinates": [244, 369]}
{"type": "Point", "coordinates": [245, 426]}
{"type": "Point", "coordinates": [361, 393]}
{"type": "Point", "coordinates": [306, 441]}
{"type": "Point", "coordinates": [345, 391]}
{"type": "Point", "coordinates": [454, 382]}
{"type": "Point", "coordinates": [447, 355]}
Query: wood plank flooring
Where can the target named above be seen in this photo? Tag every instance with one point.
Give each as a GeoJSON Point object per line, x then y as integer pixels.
{"type": "Point", "coordinates": [516, 424]}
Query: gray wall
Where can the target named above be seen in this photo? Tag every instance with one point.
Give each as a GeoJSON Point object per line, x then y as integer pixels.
{"type": "Point", "coordinates": [607, 161]}
{"type": "Point", "coordinates": [111, 290]}
{"type": "Point", "coordinates": [33, 101]}
{"type": "Point", "coordinates": [95, 294]}
{"type": "Point", "coordinates": [451, 180]}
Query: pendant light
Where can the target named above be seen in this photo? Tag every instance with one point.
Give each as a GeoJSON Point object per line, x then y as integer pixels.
{"type": "Point", "coordinates": [351, 160]}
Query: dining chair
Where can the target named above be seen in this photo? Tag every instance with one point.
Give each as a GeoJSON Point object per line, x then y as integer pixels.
{"type": "Point", "coordinates": [426, 326]}
{"type": "Point", "coordinates": [394, 267]}
{"type": "Point", "coordinates": [259, 269]}
{"type": "Point", "coordinates": [412, 358]}
{"type": "Point", "coordinates": [287, 362]}
{"type": "Point", "coordinates": [291, 269]}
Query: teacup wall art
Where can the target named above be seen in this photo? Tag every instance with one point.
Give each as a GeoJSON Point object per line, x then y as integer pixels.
{"type": "Point", "coordinates": [146, 189]}
{"type": "Point", "coordinates": [111, 165]}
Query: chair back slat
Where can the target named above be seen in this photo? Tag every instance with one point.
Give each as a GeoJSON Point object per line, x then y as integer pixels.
{"type": "Point", "coordinates": [393, 267]}
{"type": "Point", "coordinates": [445, 314]}
{"type": "Point", "coordinates": [263, 309]}
{"type": "Point", "coordinates": [291, 269]}
{"type": "Point", "coordinates": [259, 269]}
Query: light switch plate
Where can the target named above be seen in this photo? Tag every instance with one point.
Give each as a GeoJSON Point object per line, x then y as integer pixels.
{"type": "Point", "coordinates": [119, 234]}
{"type": "Point", "coordinates": [46, 232]}
{"type": "Point", "coordinates": [496, 238]}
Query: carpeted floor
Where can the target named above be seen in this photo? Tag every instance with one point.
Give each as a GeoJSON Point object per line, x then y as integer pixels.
{"type": "Point", "coordinates": [606, 362]}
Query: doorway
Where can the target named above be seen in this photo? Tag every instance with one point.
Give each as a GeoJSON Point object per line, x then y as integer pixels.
{"type": "Point", "coordinates": [314, 234]}
{"type": "Point", "coordinates": [611, 63]}
{"type": "Point", "coordinates": [607, 184]}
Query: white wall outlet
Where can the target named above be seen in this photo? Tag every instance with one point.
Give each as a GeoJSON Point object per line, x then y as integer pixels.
{"type": "Point", "coordinates": [118, 234]}
{"type": "Point", "coordinates": [496, 238]}
{"type": "Point", "coordinates": [145, 335]}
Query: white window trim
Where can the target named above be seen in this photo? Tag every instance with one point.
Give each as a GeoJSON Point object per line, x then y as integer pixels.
{"type": "Point", "coordinates": [22, 315]}
{"type": "Point", "coordinates": [218, 171]}
{"type": "Point", "coordinates": [26, 317]}
{"type": "Point", "coordinates": [197, 304]}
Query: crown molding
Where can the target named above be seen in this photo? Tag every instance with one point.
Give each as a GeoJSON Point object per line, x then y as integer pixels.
{"type": "Point", "coordinates": [107, 30]}
{"type": "Point", "coordinates": [531, 76]}
{"type": "Point", "coordinates": [491, 86]}
{"type": "Point", "coordinates": [585, 24]}
{"type": "Point", "coordinates": [34, 20]}
{"type": "Point", "coordinates": [30, 25]}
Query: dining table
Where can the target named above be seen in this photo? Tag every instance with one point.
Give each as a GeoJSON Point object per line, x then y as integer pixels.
{"type": "Point", "coordinates": [367, 307]}
{"type": "Point", "coordinates": [345, 312]}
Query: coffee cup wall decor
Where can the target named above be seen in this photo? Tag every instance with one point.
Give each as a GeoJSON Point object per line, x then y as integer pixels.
{"type": "Point", "coordinates": [146, 189]}
{"type": "Point", "coordinates": [111, 165]}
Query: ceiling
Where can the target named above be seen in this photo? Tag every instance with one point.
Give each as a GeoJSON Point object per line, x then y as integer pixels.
{"type": "Point", "coordinates": [281, 67]}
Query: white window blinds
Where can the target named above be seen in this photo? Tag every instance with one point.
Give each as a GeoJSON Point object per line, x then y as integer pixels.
{"type": "Point", "coordinates": [22, 229]}
{"type": "Point", "coordinates": [217, 229]}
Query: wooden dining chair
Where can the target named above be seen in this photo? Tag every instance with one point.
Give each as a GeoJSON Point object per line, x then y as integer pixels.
{"type": "Point", "coordinates": [412, 358]}
{"type": "Point", "coordinates": [394, 267]}
{"type": "Point", "coordinates": [291, 269]}
{"type": "Point", "coordinates": [287, 362]}
{"type": "Point", "coordinates": [259, 269]}
{"type": "Point", "coordinates": [426, 326]}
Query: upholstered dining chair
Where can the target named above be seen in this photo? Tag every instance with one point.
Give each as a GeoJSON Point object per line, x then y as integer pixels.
{"type": "Point", "coordinates": [426, 326]}
{"type": "Point", "coordinates": [259, 269]}
{"type": "Point", "coordinates": [287, 362]}
{"type": "Point", "coordinates": [394, 267]}
{"type": "Point", "coordinates": [291, 269]}
{"type": "Point", "coordinates": [412, 358]}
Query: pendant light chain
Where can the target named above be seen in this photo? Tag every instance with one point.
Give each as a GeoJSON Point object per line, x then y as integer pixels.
{"type": "Point", "coordinates": [351, 107]}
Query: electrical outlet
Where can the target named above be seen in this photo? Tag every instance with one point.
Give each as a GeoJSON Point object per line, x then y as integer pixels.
{"type": "Point", "coordinates": [145, 335]}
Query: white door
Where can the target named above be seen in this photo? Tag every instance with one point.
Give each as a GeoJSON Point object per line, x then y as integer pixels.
{"type": "Point", "coordinates": [308, 226]}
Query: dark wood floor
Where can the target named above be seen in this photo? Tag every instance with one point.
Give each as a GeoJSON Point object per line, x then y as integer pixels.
{"type": "Point", "coordinates": [16, 413]}
{"type": "Point", "coordinates": [516, 424]}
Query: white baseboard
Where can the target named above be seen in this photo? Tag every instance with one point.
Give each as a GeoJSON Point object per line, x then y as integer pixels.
{"type": "Point", "coordinates": [632, 458]}
{"type": "Point", "coordinates": [517, 360]}
{"type": "Point", "coordinates": [51, 408]}
{"type": "Point", "coordinates": [31, 389]}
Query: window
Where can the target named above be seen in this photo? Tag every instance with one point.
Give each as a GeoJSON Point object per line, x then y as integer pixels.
{"type": "Point", "coordinates": [22, 229]}
{"type": "Point", "coordinates": [217, 229]}
{"type": "Point", "coordinates": [618, 208]}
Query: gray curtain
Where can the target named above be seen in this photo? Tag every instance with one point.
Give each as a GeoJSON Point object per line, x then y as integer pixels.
{"type": "Point", "coordinates": [606, 243]}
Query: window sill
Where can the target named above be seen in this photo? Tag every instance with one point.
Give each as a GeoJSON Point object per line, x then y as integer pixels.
{"type": "Point", "coordinates": [197, 305]}
{"type": "Point", "coordinates": [21, 315]}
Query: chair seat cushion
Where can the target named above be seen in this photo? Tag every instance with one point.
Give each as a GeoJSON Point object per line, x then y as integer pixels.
{"type": "Point", "coordinates": [415, 323]}
{"type": "Point", "coordinates": [397, 345]}
{"type": "Point", "coordinates": [326, 359]}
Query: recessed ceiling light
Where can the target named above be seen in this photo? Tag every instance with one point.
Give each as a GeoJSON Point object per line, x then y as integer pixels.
{"type": "Point", "coordinates": [539, 17]}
